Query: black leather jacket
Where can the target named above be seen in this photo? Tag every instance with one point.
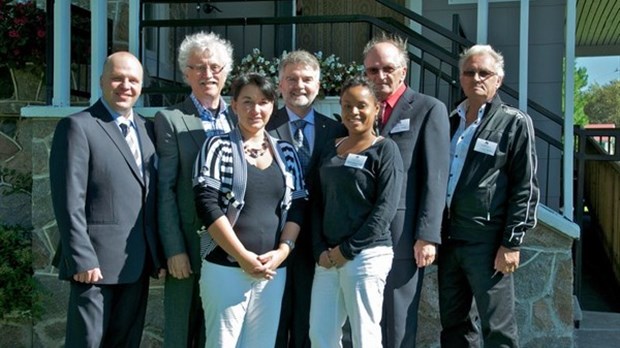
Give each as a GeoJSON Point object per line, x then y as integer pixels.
{"type": "Point", "coordinates": [496, 196]}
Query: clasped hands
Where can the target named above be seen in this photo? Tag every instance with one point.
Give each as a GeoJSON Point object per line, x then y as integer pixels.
{"type": "Point", "coordinates": [332, 257]}
{"type": "Point", "coordinates": [265, 265]}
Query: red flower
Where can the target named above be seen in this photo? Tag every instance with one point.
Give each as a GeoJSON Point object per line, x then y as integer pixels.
{"type": "Point", "coordinates": [20, 21]}
{"type": "Point", "coordinates": [22, 33]}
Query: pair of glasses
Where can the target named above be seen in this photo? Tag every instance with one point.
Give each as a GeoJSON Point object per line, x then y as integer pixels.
{"type": "Point", "coordinates": [202, 69]}
{"type": "Point", "coordinates": [484, 74]}
{"type": "Point", "coordinates": [388, 70]}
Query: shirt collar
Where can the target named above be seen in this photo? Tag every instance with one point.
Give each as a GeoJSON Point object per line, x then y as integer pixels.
{"type": "Point", "coordinates": [116, 115]}
{"type": "Point", "coordinates": [392, 99]}
{"type": "Point", "coordinates": [461, 110]}
{"type": "Point", "coordinates": [203, 111]}
{"type": "Point", "coordinates": [293, 117]}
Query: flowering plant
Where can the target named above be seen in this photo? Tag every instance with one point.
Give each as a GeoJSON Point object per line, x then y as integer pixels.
{"type": "Point", "coordinates": [333, 71]}
{"type": "Point", "coordinates": [22, 33]}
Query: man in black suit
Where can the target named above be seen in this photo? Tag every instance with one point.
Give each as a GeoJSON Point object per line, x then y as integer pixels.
{"type": "Point", "coordinates": [103, 179]}
{"type": "Point", "coordinates": [419, 125]}
{"type": "Point", "coordinates": [310, 132]}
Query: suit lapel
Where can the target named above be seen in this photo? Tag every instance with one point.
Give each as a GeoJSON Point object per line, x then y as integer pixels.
{"type": "Point", "coordinates": [105, 120]}
{"type": "Point", "coordinates": [279, 127]}
{"type": "Point", "coordinates": [321, 137]}
{"type": "Point", "coordinates": [401, 111]}
{"type": "Point", "coordinates": [146, 147]}
{"type": "Point", "coordinates": [192, 122]}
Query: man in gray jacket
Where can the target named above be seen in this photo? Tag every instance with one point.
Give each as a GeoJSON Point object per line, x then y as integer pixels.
{"type": "Point", "coordinates": [205, 60]}
{"type": "Point", "coordinates": [490, 204]}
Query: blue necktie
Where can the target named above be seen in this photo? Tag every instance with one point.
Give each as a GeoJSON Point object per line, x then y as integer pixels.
{"type": "Point", "coordinates": [301, 143]}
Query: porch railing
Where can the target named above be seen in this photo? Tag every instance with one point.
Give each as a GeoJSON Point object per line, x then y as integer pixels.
{"type": "Point", "coordinates": [598, 188]}
{"type": "Point", "coordinates": [433, 62]}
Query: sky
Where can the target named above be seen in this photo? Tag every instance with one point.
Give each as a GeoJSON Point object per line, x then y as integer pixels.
{"type": "Point", "coordinates": [601, 70]}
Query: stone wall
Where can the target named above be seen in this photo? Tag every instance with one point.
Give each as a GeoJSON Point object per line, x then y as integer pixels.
{"type": "Point", "coordinates": [544, 282]}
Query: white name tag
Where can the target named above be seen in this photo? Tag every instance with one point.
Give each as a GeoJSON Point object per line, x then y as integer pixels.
{"type": "Point", "coordinates": [355, 161]}
{"type": "Point", "coordinates": [401, 126]}
{"type": "Point", "coordinates": [486, 147]}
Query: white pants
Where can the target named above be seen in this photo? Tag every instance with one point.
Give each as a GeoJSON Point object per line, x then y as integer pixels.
{"type": "Point", "coordinates": [240, 311]}
{"type": "Point", "coordinates": [354, 290]}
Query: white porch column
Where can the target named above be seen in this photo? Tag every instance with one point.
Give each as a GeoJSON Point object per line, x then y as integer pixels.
{"type": "Point", "coordinates": [569, 106]}
{"type": "Point", "coordinates": [483, 22]}
{"type": "Point", "coordinates": [523, 53]}
{"type": "Point", "coordinates": [98, 45]}
{"type": "Point", "coordinates": [134, 35]}
{"type": "Point", "coordinates": [62, 53]}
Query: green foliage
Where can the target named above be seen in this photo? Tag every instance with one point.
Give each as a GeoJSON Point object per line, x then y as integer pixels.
{"type": "Point", "coordinates": [581, 81]}
{"type": "Point", "coordinates": [603, 103]}
{"type": "Point", "coordinates": [17, 293]}
{"type": "Point", "coordinates": [579, 96]}
{"type": "Point", "coordinates": [14, 181]}
{"type": "Point", "coordinates": [333, 71]}
{"type": "Point", "coordinates": [22, 33]}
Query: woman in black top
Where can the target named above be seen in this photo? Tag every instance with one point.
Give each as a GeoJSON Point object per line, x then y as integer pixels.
{"type": "Point", "coordinates": [249, 193]}
{"type": "Point", "coordinates": [360, 181]}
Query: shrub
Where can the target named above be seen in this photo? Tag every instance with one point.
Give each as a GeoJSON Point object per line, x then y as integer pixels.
{"type": "Point", "coordinates": [18, 296]}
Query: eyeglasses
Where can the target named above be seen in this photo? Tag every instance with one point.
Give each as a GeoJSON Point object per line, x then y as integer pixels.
{"type": "Point", "coordinates": [388, 70]}
{"type": "Point", "coordinates": [202, 69]}
{"type": "Point", "coordinates": [484, 74]}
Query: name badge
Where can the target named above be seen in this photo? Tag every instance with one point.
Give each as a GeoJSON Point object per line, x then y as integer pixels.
{"type": "Point", "coordinates": [355, 161]}
{"type": "Point", "coordinates": [485, 146]}
{"type": "Point", "coordinates": [401, 126]}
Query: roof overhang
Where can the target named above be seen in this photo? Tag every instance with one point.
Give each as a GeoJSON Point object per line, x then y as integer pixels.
{"type": "Point", "coordinates": [598, 28]}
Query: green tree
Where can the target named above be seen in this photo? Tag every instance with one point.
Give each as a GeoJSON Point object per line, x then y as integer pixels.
{"type": "Point", "coordinates": [603, 103]}
{"type": "Point", "coordinates": [580, 96]}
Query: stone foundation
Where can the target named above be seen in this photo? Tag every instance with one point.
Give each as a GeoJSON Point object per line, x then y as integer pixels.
{"type": "Point", "coordinates": [544, 282]}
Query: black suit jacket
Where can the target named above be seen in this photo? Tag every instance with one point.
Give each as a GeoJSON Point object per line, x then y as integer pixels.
{"type": "Point", "coordinates": [325, 131]}
{"type": "Point", "coordinates": [105, 208]}
{"type": "Point", "coordinates": [419, 126]}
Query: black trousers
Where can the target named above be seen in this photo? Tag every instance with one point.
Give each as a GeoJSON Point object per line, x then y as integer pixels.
{"type": "Point", "coordinates": [401, 301]}
{"type": "Point", "coordinates": [106, 315]}
{"type": "Point", "coordinates": [465, 272]}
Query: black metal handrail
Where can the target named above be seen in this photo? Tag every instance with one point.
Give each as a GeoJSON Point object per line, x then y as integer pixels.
{"type": "Point", "coordinates": [438, 66]}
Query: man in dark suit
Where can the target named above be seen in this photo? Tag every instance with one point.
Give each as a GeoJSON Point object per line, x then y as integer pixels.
{"type": "Point", "coordinates": [205, 60]}
{"type": "Point", "coordinates": [103, 181]}
{"type": "Point", "coordinates": [419, 126]}
{"type": "Point", "coordinates": [310, 132]}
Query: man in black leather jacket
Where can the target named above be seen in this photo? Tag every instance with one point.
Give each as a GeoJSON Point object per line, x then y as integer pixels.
{"type": "Point", "coordinates": [490, 204]}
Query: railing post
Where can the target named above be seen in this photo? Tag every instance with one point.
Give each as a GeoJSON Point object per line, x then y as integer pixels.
{"type": "Point", "coordinates": [579, 205]}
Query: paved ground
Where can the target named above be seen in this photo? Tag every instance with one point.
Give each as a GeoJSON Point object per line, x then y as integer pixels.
{"type": "Point", "coordinates": [598, 330]}
{"type": "Point", "coordinates": [600, 298]}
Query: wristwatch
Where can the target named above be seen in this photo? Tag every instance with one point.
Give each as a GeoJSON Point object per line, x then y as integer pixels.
{"type": "Point", "coordinates": [290, 243]}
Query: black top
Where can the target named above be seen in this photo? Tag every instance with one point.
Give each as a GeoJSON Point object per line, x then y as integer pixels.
{"type": "Point", "coordinates": [258, 222]}
{"type": "Point", "coordinates": [358, 198]}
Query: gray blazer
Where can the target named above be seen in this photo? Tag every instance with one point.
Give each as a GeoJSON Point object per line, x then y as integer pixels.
{"type": "Point", "coordinates": [104, 207]}
{"type": "Point", "coordinates": [180, 136]}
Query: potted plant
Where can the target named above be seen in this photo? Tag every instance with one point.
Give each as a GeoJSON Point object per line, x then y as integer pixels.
{"type": "Point", "coordinates": [333, 71]}
{"type": "Point", "coordinates": [333, 74]}
{"type": "Point", "coordinates": [22, 46]}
